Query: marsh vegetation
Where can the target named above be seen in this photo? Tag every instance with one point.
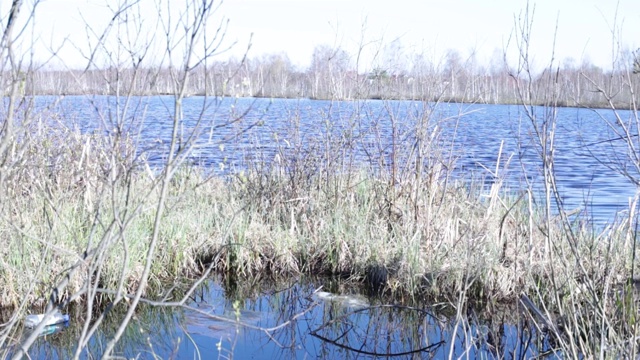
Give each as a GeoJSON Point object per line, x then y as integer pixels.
{"type": "Point", "coordinates": [96, 216]}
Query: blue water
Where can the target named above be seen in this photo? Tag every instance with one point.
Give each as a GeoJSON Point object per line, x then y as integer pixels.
{"type": "Point", "coordinates": [295, 322]}
{"type": "Point", "coordinates": [231, 135]}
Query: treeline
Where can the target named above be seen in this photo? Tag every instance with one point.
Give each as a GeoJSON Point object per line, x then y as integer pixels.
{"type": "Point", "coordinates": [333, 75]}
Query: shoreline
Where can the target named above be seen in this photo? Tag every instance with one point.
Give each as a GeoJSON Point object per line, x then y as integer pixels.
{"type": "Point", "coordinates": [455, 100]}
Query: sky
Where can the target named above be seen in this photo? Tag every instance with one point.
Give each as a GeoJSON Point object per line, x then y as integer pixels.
{"type": "Point", "coordinates": [586, 29]}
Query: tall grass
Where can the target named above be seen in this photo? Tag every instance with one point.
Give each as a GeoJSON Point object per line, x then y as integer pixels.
{"type": "Point", "coordinates": [83, 209]}
{"type": "Point", "coordinates": [85, 219]}
{"type": "Point", "coordinates": [429, 233]}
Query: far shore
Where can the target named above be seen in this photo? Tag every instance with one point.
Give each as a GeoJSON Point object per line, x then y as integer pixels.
{"type": "Point", "coordinates": [456, 100]}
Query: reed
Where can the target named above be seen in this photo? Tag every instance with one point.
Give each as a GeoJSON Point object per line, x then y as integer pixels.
{"type": "Point", "coordinates": [86, 219]}
{"type": "Point", "coordinates": [261, 223]}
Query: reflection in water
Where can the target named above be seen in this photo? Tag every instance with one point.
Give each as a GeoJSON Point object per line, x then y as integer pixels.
{"type": "Point", "coordinates": [298, 322]}
{"type": "Point", "coordinates": [205, 320]}
{"type": "Point", "coordinates": [382, 330]}
{"type": "Point", "coordinates": [301, 322]}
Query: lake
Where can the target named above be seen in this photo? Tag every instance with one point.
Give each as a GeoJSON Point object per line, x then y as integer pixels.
{"type": "Point", "coordinates": [231, 135]}
{"type": "Point", "coordinates": [335, 321]}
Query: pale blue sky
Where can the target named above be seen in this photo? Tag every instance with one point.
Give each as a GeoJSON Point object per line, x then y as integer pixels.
{"type": "Point", "coordinates": [430, 27]}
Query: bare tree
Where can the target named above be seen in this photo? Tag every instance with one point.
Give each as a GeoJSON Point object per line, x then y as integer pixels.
{"type": "Point", "coordinates": [130, 55]}
{"type": "Point", "coordinates": [329, 67]}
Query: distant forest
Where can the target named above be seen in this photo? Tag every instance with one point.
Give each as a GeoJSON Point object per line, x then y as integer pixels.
{"type": "Point", "coordinates": [332, 75]}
